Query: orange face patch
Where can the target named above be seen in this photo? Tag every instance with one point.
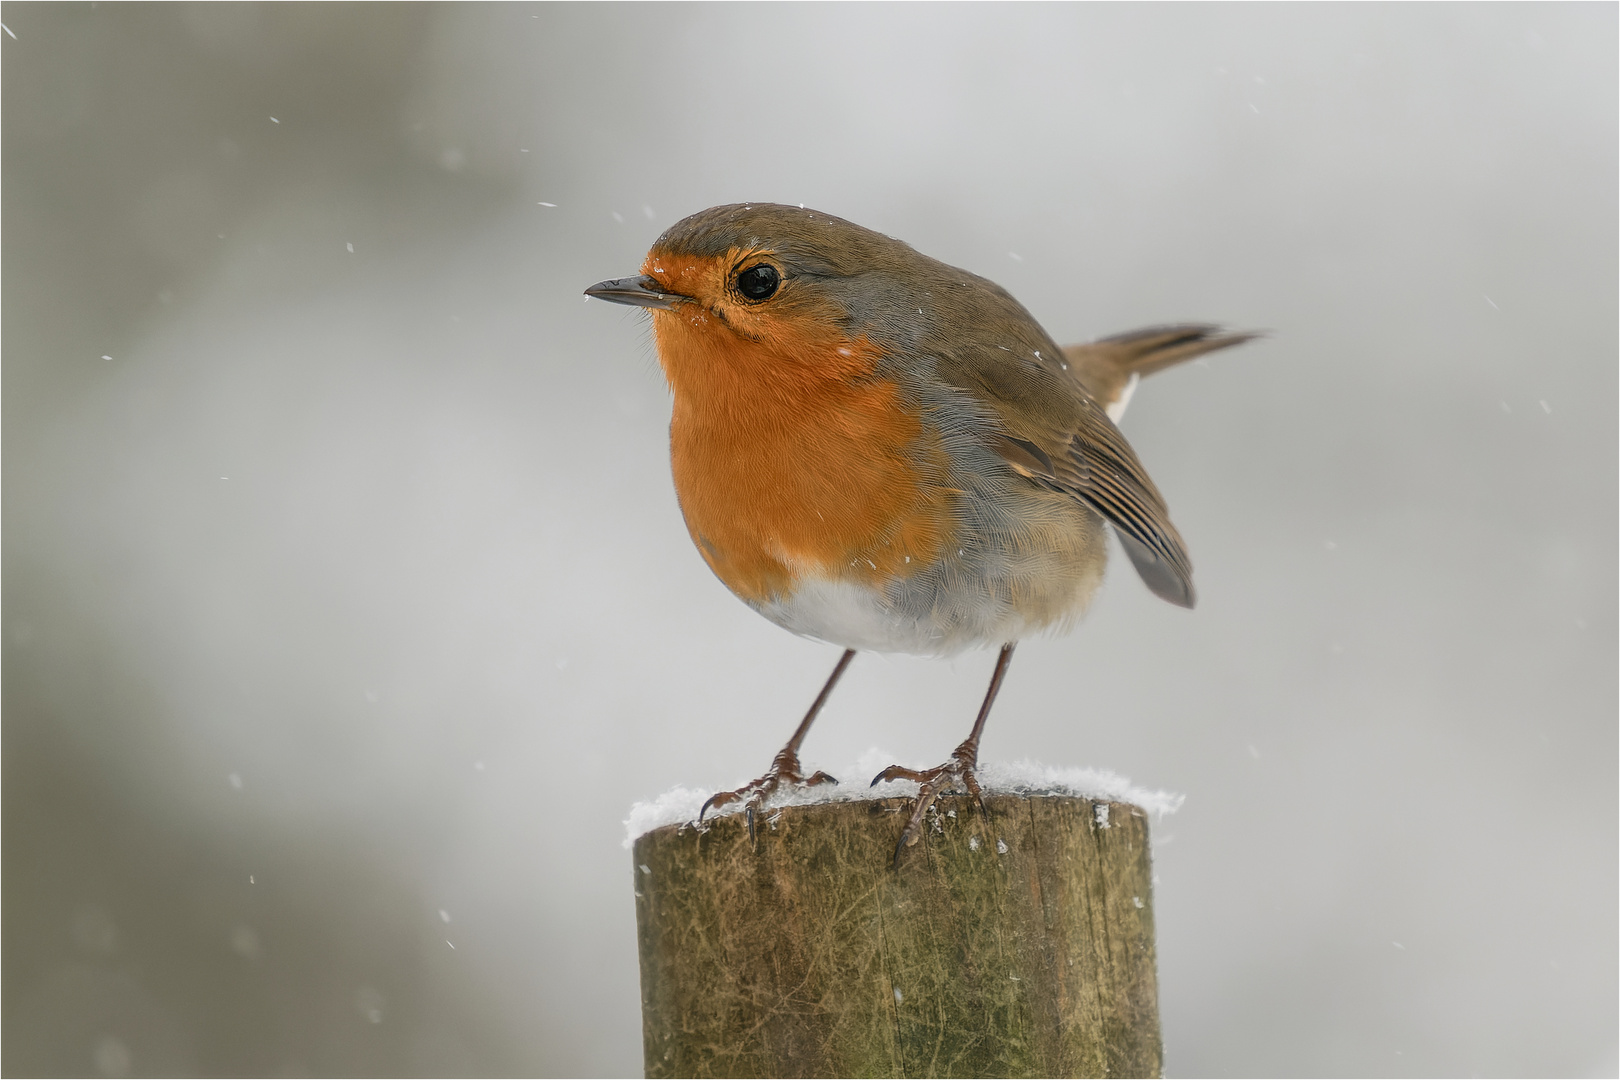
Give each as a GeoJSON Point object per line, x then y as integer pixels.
{"type": "Point", "coordinates": [790, 457]}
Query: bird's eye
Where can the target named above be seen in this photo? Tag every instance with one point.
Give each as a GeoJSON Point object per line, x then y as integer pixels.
{"type": "Point", "coordinates": [759, 282]}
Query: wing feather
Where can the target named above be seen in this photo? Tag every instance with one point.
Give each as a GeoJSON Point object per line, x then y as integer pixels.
{"type": "Point", "coordinates": [1057, 435]}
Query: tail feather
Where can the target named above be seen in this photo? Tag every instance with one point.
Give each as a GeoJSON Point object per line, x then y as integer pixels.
{"type": "Point", "coordinates": [1109, 367]}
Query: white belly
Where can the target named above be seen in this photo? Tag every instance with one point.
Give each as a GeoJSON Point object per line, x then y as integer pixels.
{"type": "Point", "coordinates": [974, 600]}
{"type": "Point", "coordinates": [859, 617]}
{"type": "Point", "coordinates": [1024, 560]}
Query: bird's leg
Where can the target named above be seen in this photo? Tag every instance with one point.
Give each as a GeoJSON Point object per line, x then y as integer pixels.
{"type": "Point", "coordinates": [957, 773]}
{"type": "Point", "coordinates": [785, 767]}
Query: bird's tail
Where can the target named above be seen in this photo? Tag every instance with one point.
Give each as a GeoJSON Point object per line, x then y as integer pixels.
{"type": "Point", "coordinates": [1110, 367]}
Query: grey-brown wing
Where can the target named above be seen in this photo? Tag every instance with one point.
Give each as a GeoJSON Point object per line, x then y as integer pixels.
{"type": "Point", "coordinates": [1049, 426]}
{"type": "Point", "coordinates": [1093, 462]}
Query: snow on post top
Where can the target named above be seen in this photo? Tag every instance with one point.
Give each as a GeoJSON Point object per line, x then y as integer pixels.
{"type": "Point", "coordinates": [681, 804]}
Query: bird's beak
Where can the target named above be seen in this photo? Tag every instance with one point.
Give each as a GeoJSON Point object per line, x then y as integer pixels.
{"type": "Point", "coordinates": [638, 291]}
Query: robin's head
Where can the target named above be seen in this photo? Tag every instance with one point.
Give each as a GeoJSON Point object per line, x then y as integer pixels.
{"type": "Point", "coordinates": [784, 289]}
{"type": "Point", "coordinates": [764, 273]}
{"type": "Point", "coordinates": [775, 284]}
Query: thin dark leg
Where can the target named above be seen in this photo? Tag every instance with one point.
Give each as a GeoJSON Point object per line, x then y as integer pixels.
{"type": "Point", "coordinates": [815, 706]}
{"type": "Point", "coordinates": [960, 769]}
{"type": "Point", "coordinates": [785, 766]}
{"type": "Point", "coordinates": [1002, 663]}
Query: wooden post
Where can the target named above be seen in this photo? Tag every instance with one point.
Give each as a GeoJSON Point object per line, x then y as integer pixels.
{"type": "Point", "coordinates": [1021, 946]}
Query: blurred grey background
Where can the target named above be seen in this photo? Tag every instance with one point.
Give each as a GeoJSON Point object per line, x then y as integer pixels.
{"type": "Point", "coordinates": [348, 606]}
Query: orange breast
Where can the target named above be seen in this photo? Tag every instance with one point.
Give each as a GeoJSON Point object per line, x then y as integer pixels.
{"type": "Point", "coordinates": [791, 458]}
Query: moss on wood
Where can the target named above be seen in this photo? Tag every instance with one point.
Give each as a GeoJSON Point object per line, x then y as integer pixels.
{"type": "Point", "coordinates": [1021, 946]}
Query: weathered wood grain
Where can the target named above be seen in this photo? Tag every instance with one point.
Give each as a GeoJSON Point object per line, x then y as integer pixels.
{"type": "Point", "coordinates": [1021, 946]}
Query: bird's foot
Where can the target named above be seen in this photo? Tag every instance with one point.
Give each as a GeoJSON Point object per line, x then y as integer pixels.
{"type": "Point", "coordinates": [784, 770]}
{"type": "Point", "coordinates": [957, 774]}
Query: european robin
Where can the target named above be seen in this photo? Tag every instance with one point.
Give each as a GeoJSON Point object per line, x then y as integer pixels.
{"type": "Point", "coordinates": [884, 452]}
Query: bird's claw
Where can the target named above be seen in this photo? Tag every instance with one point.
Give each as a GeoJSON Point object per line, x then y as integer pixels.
{"type": "Point", "coordinates": [784, 770]}
{"type": "Point", "coordinates": [957, 774]}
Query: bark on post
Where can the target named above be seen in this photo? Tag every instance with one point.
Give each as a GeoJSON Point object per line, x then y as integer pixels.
{"type": "Point", "coordinates": [1021, 946]}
